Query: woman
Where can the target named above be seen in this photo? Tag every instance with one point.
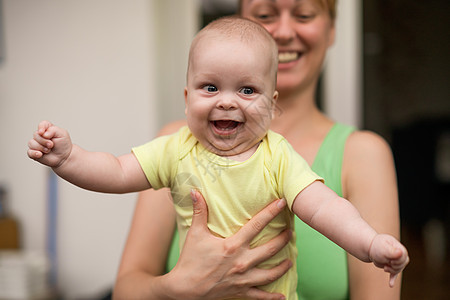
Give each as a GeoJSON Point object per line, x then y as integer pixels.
{"type": "Point", "coordinates": [356, 164]}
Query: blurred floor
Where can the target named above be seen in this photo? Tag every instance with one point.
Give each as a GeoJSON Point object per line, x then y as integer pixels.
{"type": "Point", "coordinates": [422, 280]}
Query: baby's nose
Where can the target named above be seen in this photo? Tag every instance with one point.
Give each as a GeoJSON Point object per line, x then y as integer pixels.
{"type": "Point", "coordinates": [226, 103]}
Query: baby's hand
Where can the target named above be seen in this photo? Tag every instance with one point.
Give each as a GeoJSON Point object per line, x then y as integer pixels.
{"type": "Point", "coordinates": [50, 145]}
{"type": "Point", "coordinates": [389, 254]}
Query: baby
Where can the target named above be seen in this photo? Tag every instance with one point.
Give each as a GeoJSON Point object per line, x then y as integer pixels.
{"type": "Point", "coordinates": [228, 153]}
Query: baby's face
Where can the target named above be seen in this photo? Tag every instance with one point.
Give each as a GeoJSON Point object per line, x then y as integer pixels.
{"type": "Point", "coordinates": [230, 94]}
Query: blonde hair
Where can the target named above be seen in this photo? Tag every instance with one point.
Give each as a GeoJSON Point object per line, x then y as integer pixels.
{"type": "Point", "coordinates": [331, 6]}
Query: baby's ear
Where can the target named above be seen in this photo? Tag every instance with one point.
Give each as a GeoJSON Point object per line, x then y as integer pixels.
{"type": "Point", "coordinates": [185, 100]}
{"type": "Point", "coordinates": [274, 103]}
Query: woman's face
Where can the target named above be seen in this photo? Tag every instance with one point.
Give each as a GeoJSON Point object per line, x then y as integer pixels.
{"type": "Point", "coordinates": [303, 31]}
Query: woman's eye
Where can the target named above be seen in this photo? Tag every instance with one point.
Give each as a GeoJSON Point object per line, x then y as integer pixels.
{"type": "Point", "coordinates": [263, 14]}
{"type": "Point", "coordinates": [210, 88]}
{"type": "Point", "coordinates": [304, 14]}
{"type": "Point", "coordinates": [247, 91]}
{"type": "Point", "coordinates": [304, 17]}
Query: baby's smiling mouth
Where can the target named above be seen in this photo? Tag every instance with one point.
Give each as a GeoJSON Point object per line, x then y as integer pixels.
{"type": "Point", "coordinates": [225, 127]}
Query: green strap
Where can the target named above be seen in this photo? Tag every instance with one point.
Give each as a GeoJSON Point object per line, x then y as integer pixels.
{"type": "Point", "coordinates": [321, 264]}
{"type": "Point", "coordinates": [328, 161]}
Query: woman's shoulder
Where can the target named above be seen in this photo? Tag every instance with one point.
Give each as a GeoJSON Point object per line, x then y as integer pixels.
{"type": "Point", "coordinates": [366, 143]}
{"type": "Point", "coordinates": [367, 158]}
{"type": "Point", "coordinates": [172, 127]}
{"type": "Point", "coordinates": [367, 167]}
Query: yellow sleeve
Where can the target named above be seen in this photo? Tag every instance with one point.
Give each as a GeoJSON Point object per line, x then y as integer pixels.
{"type": "Point", "coordinates": [292, 172]}
{"type": "Point", "coordinates": [158, 160]}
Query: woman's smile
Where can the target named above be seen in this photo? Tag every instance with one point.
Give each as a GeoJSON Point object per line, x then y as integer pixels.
{"type": "Point", "coordinates": [288, 56]}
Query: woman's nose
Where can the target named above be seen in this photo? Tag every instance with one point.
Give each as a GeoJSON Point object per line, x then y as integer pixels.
{"type": "Point", "coordinates": [283, 31]}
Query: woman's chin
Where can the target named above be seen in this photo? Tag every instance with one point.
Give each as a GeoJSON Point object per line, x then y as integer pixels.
{"type": "Point", "coordinates": [291, 82]}
{"type": "Point", "coordinates": [287, 85]}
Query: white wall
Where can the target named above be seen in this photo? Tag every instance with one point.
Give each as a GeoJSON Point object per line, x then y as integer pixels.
{"type": "Point", "coordinates": [342, 86]}
{"type": "Point", "coordinates": [177, 23]}
{"type": "Point", "coordinates": [87, 66]}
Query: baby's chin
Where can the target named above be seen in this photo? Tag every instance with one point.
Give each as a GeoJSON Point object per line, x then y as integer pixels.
{"type": "Point", "coordinates": [239, 152]}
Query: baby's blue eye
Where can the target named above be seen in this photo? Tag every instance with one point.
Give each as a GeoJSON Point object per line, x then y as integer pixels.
{"type": "Point", "coordinates": [210, 88]}
{"type": "Point", "coordinates": [247, 91]}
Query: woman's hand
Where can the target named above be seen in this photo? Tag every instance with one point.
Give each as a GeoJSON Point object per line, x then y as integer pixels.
{"type": "Point", "coordinates": [215, 268]}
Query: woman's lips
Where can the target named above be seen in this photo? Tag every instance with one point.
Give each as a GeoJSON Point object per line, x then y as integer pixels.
{"type": "Point", "coordinates": [288, 59]}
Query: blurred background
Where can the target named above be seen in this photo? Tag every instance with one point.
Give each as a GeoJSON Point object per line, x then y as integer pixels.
{"type": "Point", "coordinates": [113, 72]}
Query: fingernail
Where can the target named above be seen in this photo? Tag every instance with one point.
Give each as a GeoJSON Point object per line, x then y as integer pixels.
{"type": "Point", "coordinates": [193, 196]}
{"type": "Point", "coordinates": [281, 203]}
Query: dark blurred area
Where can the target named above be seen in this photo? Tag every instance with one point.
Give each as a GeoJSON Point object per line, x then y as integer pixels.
{"type": "Point", "coordinates": [407, 100]}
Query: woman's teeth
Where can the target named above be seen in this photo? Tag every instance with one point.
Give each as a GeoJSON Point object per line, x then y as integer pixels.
{"type": "Point", "coordinates": [285, 57]}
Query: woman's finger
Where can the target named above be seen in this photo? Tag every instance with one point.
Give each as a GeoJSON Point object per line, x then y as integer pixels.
{"type": "Point", "coordinates": [200, 211]}
{"type": "Point", "coordinates": [257, 223]}
{"type": "Point", "coordinates": [258, 277]}
{"type": "Point", "coordinates": [265, 251]}
{"type": "Point", "coordinates": [255, 293]}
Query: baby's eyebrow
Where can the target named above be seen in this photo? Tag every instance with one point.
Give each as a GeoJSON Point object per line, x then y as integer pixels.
{"type": "Point", "coordinates": [252, 80]}
{"type": "Point", "coordinates": [204, 76]}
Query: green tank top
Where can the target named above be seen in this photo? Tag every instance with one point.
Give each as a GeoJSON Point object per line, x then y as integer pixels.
{"type": "Point", "coordinates": [321, 264]}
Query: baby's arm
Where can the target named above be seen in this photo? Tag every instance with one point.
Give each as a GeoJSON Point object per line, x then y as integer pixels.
{"type": "Point", "coordinates": [336, 218]}
{"type": "Point", "coordinates": [95, 171]}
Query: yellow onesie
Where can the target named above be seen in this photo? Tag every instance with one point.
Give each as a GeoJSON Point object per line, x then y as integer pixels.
{"type": "Point", "coordinates": [234, 191]}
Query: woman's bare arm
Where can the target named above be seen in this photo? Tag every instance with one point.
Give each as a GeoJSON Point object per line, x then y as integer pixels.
{"type": "Point", "coordinates": [147, 246]}
{"type": "Point", "coordinates": [369, 182]}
